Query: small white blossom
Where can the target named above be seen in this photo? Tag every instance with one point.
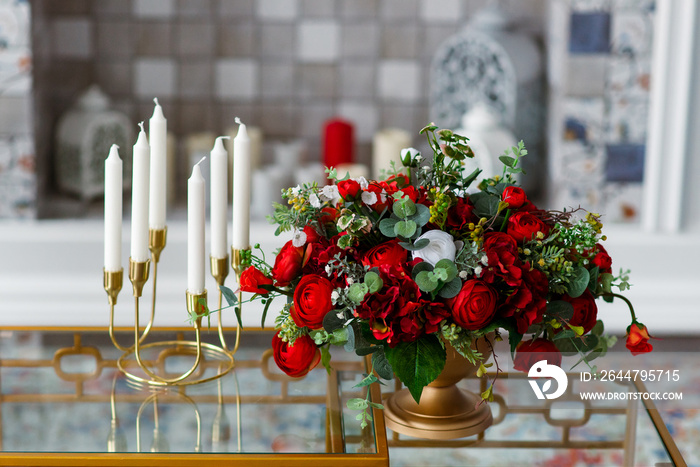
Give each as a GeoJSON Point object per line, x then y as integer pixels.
{"type": "Point", "coordinates": [335, 296]}
{"type": "Point", "coordinates": [412, 152]}
{"type": "Point", "coordinates": [296, 190]}
{"type": "Point", "coordinates": [330, 193]}
{"type": "Point", "coordinates": [299, 238]}
{"type": "Point", "coordinates": [315, 202]}
{"type": "Point", "coordinates": [350, 281]}
{"type": "Point", "coordinates": [369, 198]}
{"type": "Point", "coordinates": [478, 270]}
{"type": "Point", "coordinates": [362, 181]}
{"type": "Point", "coordinates": [328, 269]}
{"type": "Point", "coordinates": [340, 315]}
{"type": "Point", "coordinates": [463, 274]}
{"type": "Point", "coordinates": [485, 260]}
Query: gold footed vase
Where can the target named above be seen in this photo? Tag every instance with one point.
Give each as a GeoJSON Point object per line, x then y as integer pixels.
{"type": "Point", "coordinates": [445, 411]}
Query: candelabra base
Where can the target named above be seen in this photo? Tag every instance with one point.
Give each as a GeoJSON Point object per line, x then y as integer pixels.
{"type": "Point", "coordinates": [215, 363]}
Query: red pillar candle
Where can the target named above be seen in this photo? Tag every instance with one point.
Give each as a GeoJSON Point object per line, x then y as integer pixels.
{"type": "Point", "coordinates": [338, 143]}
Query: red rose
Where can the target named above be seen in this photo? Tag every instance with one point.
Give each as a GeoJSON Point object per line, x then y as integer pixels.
{"type": "Point", "coordinates": [349, 190]}
{"type": "Point", "coordinates": [312, 301]}
{"type": "Point", "coordinates": [585, 310]}
{"type": "Point", "coordinates": [514, 196]}
{"type": "Point", "coordinates": [602, 259]}
{"type": "Point", "coordinates": [461, 214]}
{"type": "Point", "coordinates": [474, 306]}
{"type": "Point", "coordinates": [523, 226]}
{"type": "Point", "coordinates": [638, 339]}
{"type": "Point", "coordinates": [298, 359]}
{"type": "Point", "coordinates": [287, 264]}
{"type": "Point", "coordinates": [386, 253]}
{"type": "Point", "coordinates": [527, 353]}
{"type": "Point", "coordinates": [329, 215]}
{"type": "Point", "coordinates": [502, 255]}
{"type": "Point", "coordinates": [252, 279]}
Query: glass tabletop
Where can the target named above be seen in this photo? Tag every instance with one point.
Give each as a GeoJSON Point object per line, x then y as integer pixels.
{"type": "Point", "coordinates": [62, 393]}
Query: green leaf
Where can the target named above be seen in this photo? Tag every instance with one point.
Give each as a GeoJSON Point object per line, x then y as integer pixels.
{"type": "Point", "coordinates": [568, 333]}
{"type": "Point", "coordinates": [451, 289]}
{"type": "Point", "coordinates": [326, 358]}
{"type": "Point", "coordinates": [404, 208]}
{"type": "Point", "coordinates": [362, 351]}
{"type": "Point", "coordinates": [419, 245]}
{"type": "Point", "coordinates": [560, 309]}
{"type": "Point", "coordinates": [422, 215]}
{"type": "Point", "coordinates": [449, 268]}
{"type": "Point", "coordinates": [381, 365]}
{"type": "Point", "coordinates": [229, 295]}
{"type": "Point", "coordinates": [418, 363]}
{"type": "Point", "coordinates": [405, 228]}
{"type": "Point", "coordinates": [420, 267]}
{"type": "Point", "coordinates": [387, 226]}
{"type": "Point", "coordinates": [438, 274]}
{"type": "Point", "coordinates": [487, 206]}
{"type": "Point", "coordinates": [357, 403]}
{"type": "Point", "coordinates": [607, 279]}
{"type": "Point", "coordinates": [579, 282]}
{"type": "Point", "coordinates": [470, 179]}
{"type": "Point", "coordinates": [374, 282]}
{"type": "Point", "coordinates": [423, 279]}
{"type": "Point", "coordinates": [331, 321]}
{"type": "Point", "coordinates": [357, 292]}
{"type": "Point", "coordinates": [339, 336]}
{"type": "Point", "coordinates": [598, 329]}
{"type": "Point", "coordinates": [262, 319]}
{"type": "Point", "coordinates": [369, 379]}
{"type": "Point", "coordinates": [593, 281]}
{"type": "Point", "coordinates": [507, 161]}
{"type": "Point", "coordinates": [350, 344]}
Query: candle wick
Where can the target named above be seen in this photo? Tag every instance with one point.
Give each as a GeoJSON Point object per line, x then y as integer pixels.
{"type": "Point", "coordinates": [155, 99]}
{"type": "Point", "coordinates": [115, 146]}
{"type": "Point", "coordinates": [141, 126]}
{"type": "Point", "coordinates": [201, 160]}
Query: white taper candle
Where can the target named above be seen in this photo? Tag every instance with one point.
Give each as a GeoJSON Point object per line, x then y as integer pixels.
{"type": "Point", "coordinates": [241, 188]}
{"type": "Point", "coordinates": [158, 130]}
{"type": "Point", "coordinates": [139, 198]}
{"type": "Point", "coordinates": [113, 210]}
{"type": "Point", "coordinates": [196, 208]}
{"type": "Point", "coordinates": [218, 199]}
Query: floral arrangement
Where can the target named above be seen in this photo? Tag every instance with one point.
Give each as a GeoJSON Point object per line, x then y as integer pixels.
{"type": "Point", "coordinates": [402, 267]}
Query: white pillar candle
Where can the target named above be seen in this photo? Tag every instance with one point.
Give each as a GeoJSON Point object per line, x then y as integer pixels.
{"type": "Point", "coordinates": [241, 188]}
{"type": "Point", "coordinates": [113, 210]}
{"type": "Point", "coordinates": [218, 199]}
{"type": "Point", "coordinates": [139, 198]}
{"type": "Point", "coordinates": [195, 231]}
{"type": "Point", "coordinates": [386, 147]}
{"type": "Point", "coordinates": [158, 130]}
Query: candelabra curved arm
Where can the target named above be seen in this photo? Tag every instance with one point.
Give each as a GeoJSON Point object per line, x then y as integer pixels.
{"type": "Point", "coordinates": [159, 443]}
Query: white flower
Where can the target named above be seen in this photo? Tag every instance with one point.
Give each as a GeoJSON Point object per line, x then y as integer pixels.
{"type": "Point", "coordinates": [362, 181]}
{"type": "Point", "coordinates": [315, 202]}
{"type": "Point", "coordinates": [478, 270]}
{"type": "Point", "coordinates": [330, 193]}
{"type": "Point", "coordinates": [463, 274]}
{"type": "Point", "coordinates": [485, 260]}
{"type": "Point", "coordinates": [335, 296]}
{"type": "Point", "coordinates": [412, 152]}
{"type": "Point", "coordinates": [296, 190]}
{"type": "Point", "coordinates": [350, 280]}
{"type": "Point", "coordinates": [299, 238]}
{"type": "Point", "coordinates": [441, 246]}
{"type": "Point", "coordinates": [369, 198]}
{"type": "Point", "coordinates": [328, 269]}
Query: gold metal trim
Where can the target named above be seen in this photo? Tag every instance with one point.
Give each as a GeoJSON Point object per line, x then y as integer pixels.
{"type": "Point", "coordinates": [138, 275]}
{"type": "Point", "coordinates": [113, 281]}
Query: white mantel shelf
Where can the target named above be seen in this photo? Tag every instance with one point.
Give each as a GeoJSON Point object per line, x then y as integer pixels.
{"type": "Point", "coordinates": [51, 275]}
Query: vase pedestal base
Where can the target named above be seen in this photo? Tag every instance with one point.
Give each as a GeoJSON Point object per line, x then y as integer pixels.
{"type": "Point", "coordinates": [446, 412]}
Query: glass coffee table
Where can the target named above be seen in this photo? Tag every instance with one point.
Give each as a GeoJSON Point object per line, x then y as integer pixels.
{"type": "Point", "coordinates": [64, 402]}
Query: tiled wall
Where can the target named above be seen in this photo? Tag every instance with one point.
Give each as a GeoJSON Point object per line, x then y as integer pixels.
{"type": "Point", "coordinates": [285, 66]}
{"type": "Point", "coordinates": [600, 137]}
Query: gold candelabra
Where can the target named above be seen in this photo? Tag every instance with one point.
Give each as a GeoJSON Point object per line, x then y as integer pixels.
{"type": "Point", "coordinates": [196, 304]}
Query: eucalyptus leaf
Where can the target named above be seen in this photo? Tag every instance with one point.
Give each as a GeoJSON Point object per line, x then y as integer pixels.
{"type": "Point", "coordinates": [449, 267]}
{"type": "Point", "coordinates": [374, 282]}
{"type": "Point", "coordinates": [404, 208]}
{"type": "Point", "coordinates": [507, 161]}
{"type": "Point", "coordinates": [339, 336]}
{"type": "Point", "coordinates": [424, 282]}
{"type": "Point", "coordinates": [405, 228]}
{"type": "Point", "coordinates": [593, 281]}
{"type": "Point", "coordinates": [560, 309]}
{"type": "Point", "coordinates": [366, 381]}
{"type": "Point", "coordinates": [487, 206]}
{"type": "Point", "coordinates": [451, 289]}
{"type": "Point", "coordinates": [386, 227]}
{"type": "Point", "coordinates": [420, 267]}
{"type": "Point", "coordinates": [357, 404]}
{"type": "Point", "coordinates": [357, 292]}
{"type": "Point", "coordinates": [419, 245]}
{"type": "Point", "coordinates": [350, 344]}
{"type": "Point", "coordinates": [599, 328]}
{"type": "Point", "coordinates": [362, 351]}
{"type": "Point", "coordinates": [422, 215]}
{"type": "Point", "coordinates": [331, 321]}
{"type": "Point", "coordinates": [579, 282]}
{"type": "Point", "coordinates": [567, 333]}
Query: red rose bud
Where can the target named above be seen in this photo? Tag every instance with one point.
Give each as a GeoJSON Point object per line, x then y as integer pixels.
{"type": "Point", "coordinates": [638, 339]}
{"type": "Point", "coordinates": [475, 305]}
{"type": "Point", "coordinates": [312, 301]}
{"type": "Point", "coordinates": [287, 264]}
{"type": "Point", "coordinates": [585, 310]}
{"type": "Point", "coordinates": [252, 279]}
{"type": "Point", "coordinates": [514, 196]}
{"type": "Point", "coordinates": [523, 226]}
{"type": "Point", "coordinates": [602, 259]}
{"type": "Point", "coordinates": [527, 353]}
{"type": "Point", "coordinates": [298, 359]}
{"type": "Point", "coordinates": [386, 253]}
{"type": "Point", "coordinates": [349, 190]}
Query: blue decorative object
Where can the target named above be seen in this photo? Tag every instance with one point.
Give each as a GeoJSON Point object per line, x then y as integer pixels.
{"type": "Point", "coordinates": [625, 162]}
{"type": "Point", "coordinates": [590, 33]}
